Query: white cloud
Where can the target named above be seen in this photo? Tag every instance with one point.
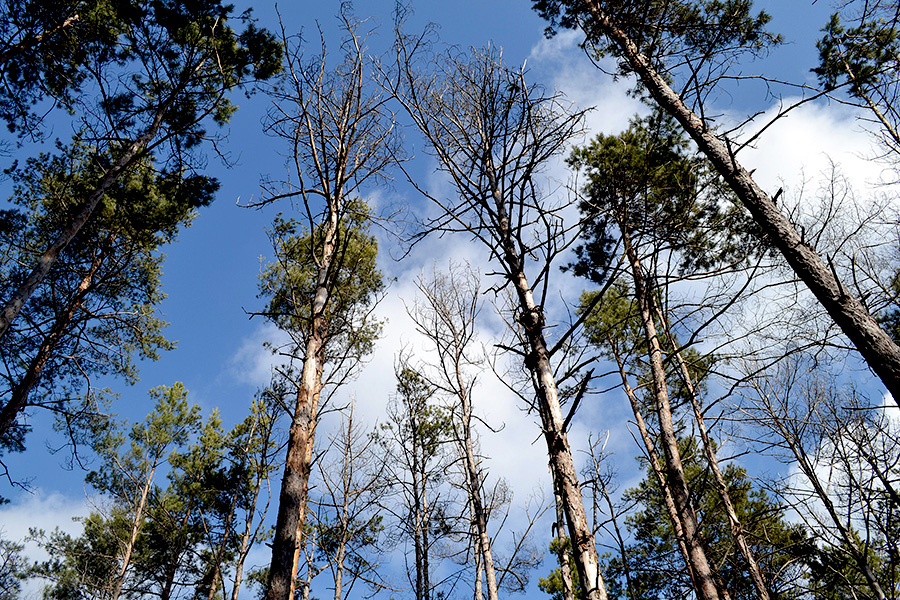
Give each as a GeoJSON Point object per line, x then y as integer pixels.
{"type": "Point", "coordinates": [254, 362]}
{"type": "Point", "coordinates": [40, 511]}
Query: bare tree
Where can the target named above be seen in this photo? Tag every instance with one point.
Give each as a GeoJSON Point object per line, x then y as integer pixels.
{"type": "Point", "coordinates": [845, 453]}
{"type": "Point", "coordinates": [348, 521]}
{"type": "Point", "coordinates": [492, 133]}
{"type": "Point", "coordinates": [324, 281]}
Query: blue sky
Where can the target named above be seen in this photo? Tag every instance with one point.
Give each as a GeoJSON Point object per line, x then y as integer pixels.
{"type": "Point", "coordinates": [211, 270]}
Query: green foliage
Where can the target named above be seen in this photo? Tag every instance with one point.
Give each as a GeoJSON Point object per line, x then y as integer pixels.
{"type": "Point", "coordinates": [656, 564]}
{"type": "Point", "coordinates": [553, 583]}
{"type": "Point", "coordinates": [14, 569]}
{"type": "Point", "coordinates": [646, 183]}
{"type": "Point", "coordinates": [701, 29]}
{"type": "Point", "coordinates": [353, 282]}
{"type": "Point", "coordinates": [98, 305]}
{"type": "Point", "coordinates": [862, 56]}
{"type": "Point", "coordinates": [185, 530]}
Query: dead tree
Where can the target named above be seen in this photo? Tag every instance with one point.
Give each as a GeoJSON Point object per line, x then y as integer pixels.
{"type": "Point", "coordinates": [492, 133]}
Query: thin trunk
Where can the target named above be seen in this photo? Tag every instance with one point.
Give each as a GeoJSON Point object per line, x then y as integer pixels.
{"type": "Point", "coordinates": [20, 392]}
{"type": "Point", "coordinates": [538, 363]}
{"type": "Point", "coordinates": [339, 571]}
{"type": "Point", "coordinates": [657, 468]}
{"type": "Point", "coordinates": [223, 545]}
{"type": "Point", "coordinates": [135, 529]}
{"type": "Point", "coordinates": [873, 343]}
{"type": "Point", "coordinates": [629, 585]}
{"type": "Point", "coordinates": [249, 534]}
{"type": "Point", "coordinates": [51, 255]}
{"type": "Point", "coordinates": [568, 591]}
{"type": "Point", "coordinates": [737, 530]}
{"type": "Point", "coordinates": [479, 574]}
{"type": "Point", "coordinates": [704, 578]}
{"type": "Point", "coordinates": [246, 539]}
{"type": "Point", "coordinates": [808, 470]}
{"type": "Point", "coordinates": [473, 481]}
{"type": "Point", "coordinates": [287, 544]}
{"type": "Point", "coordinates": [172, 568]}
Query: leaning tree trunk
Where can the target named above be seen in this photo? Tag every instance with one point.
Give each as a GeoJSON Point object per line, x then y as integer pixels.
{"type": "Point", "coordinates": [562, 463]}
{"type": "Point", "coordinates": [873, 343]}
{"type": "Point", "coordinates": [21, 391]}
{"type": "Point", "coordinates": [704, 578]}
{"type": "Point", "coordinates": [737, 529]}
{"type": "Point", "coordinates": [656, 466]}
{"type": "Point", "coordinates": [286, 545]}
{"type": "Point", "coordinates": [131, 153]}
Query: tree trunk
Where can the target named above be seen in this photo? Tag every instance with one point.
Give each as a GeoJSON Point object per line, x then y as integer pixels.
{"type": "Point", "coordinates": [568, 591]}
{"type": "Point", "coordinates": [20, 392]}
{"type": "Point", "coordinates": [135, 529]}
{"type": "Point", "coordinates": [704, 578]}
{"type": "Point", "coordinates": [295, 483]}
{"type": "Point", "coordinates": [473, 482]}
{"type": "Point", "coordinates": [538, 363]}
{"type": "Point", "coordinates": [873, 343]}
{"type": "Point", "coordinates": [737, 530]}
{"type": "Point", "coordinates": [657, 468]}
{"type": "Point", "coordinates": [50, 256]}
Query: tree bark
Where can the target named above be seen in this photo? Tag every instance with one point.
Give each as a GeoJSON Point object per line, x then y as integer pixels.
{"type": "Point", "coordinates": [704, 578]}
{"type": "Point", "coordinates": [568, 591]}
{"type": "Point", "coordinates": [538, 363]}
{"type": "Point", "coordinates": [295, 483]}
{"type": "Point", "coordinates": [737, 530]}
{"type": "Point", "coordinates": [657, 468]}
{"type": "Point", "coordinates": [19, 397]}
{"type": "Point", "coordinates": [873, 343]}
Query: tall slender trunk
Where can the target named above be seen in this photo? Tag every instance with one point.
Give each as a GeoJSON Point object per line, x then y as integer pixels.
{"type": "Point", "coordinates": [656, 467]}
{"type": "Point", "coordinates": [51, 255]}
{"type": "Point", "coordinates": [19, 396]}
{"type": "Point", "coordinates": [737, 530]}
{"type": "Point", "coordinates": [286, 545]}
{"type": "Point", "coordinates": [538, 363]}
{"type": "Point", "coordinates": [851, 316]}
{"type": "Point", "coordinates": [248, 535]}
{"type": "Point", "coordinates": [704, 578]}
{"type": "Point", "coordinates": [568, 591]}
{"type": "Point", "coordinates": [219, 557]}
{"type": "Point", "coordinates": [135, 530]}
{"type": "Point", "coordinates": [474, 483]}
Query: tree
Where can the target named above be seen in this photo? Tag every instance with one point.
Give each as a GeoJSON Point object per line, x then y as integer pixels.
{"type": "Point", "coordinates": [446, 312]}
{"type": "Point", "coordinates": [13, 569]}
{"type": "Point", "coordinates": [491, 132]}
{"type": "Point", "coordinates": [696, 41]}
{"type": "Point", "coordinates": [97, 306]}
{"type": "Point", "coordinates": [325, 279]}
{"type": "Point", "coordinates": [858, 56]}
{"type": "Point", "coordinates": [415, 437]}
{"type": "Point", "coordinates": [160, 81]}
{"type": "Point", "coordinates": [844, 449]}
{"type": "Point", "coordinates": [446, 316]}
{"type": "Point", "coordinates": [782, 547]}
{"type": "Point", "coordinates": [643, 193]}
{"type": "Point", "coordinates": [350, 526]}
